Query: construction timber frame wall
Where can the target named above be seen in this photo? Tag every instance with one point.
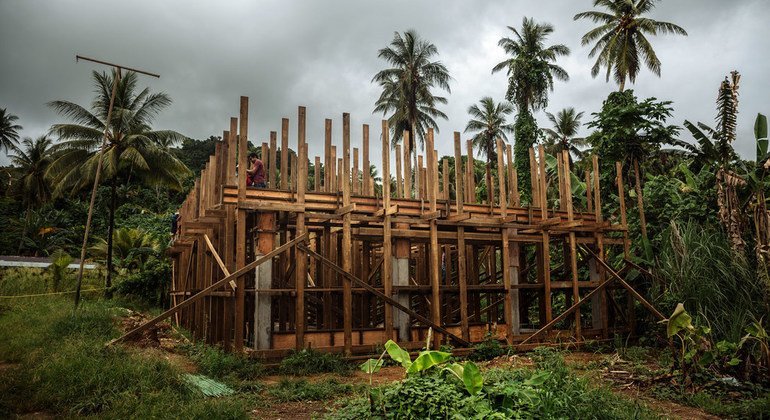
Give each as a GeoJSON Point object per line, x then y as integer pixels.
{"type": "Point", "coordinates": [374, 262]}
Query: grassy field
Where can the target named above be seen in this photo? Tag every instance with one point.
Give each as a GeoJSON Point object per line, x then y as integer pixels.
{"type": "Point", "coordinates": [54, 363]}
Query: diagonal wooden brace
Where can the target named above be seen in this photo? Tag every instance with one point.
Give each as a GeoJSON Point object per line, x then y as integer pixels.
{"type": "Point", "coordinates": [388, 299]}
{"type": "Point", "coordinates": [200, 295]}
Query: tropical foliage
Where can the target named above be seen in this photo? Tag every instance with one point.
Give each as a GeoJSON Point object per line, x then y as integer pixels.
{"type": "Point", "coordinates": [563, 135]}
{"type": "Point", "coordinates": [9, 130]}
{"type": "Point", "coordinates": [408, 87]}
{"type": "Point", "coordinates": [531, 71]}
{"type": "Point", "coordinates": [621, 38]}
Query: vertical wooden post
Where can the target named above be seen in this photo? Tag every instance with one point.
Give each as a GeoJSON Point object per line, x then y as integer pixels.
{"type": "Point", "coordinates": [432, 187]}
{"type": "Point", "coordinates": [535, 200]}
{"type": "Point", "coordinates": [284, 153]}
{"type": "Point", "coordinates": [366, 175]}
{"type": "Point", "coordinates": [332, 168]}
{"type": "Point", "coordinates": [461, 247]}
{"type": "Point", "coordinates": [513, 180]}
{"type": "Point", "coordinates": [506, 256]}
{"type": "Point", "coordinates": [546, 235]}
{"type": "Point", "coordinates": [347, 262]}
{"type": "Point", "coordinates": [386, 270]}
{"type": "Point", "coordinates": [232, 152]}
{"type": "Point", "coordinates": [408, 168]}
{"type": "Point", "coordinates": [317, 174]}
{"type": "Point", "coordinates": [399, 174]}
{"type": "Point", "coordinates": [567, 199]}
{"type": "Point", "coordinates": [273, 156]}
{"type": "Point", "coordinates": [640, 200]}
{"type": "Point", "coordinates": [445, 180]}
{"type": "Point", "coordinates": [328, 156]}
{"type": "Point", "coordinates": [471, 174]}
{"type": "Point", "coordinates": [601, 302]}
{"type": "Point", "coordinates": [356, 180]}
{"type": "Point", "coordinates": [589, 196]}
{"type": "Point", "coordinates": [300, 270]}
{"type": "Point", "coordinates": [240, 244]}
{"type": "Point", "coordinates": [631, 317]}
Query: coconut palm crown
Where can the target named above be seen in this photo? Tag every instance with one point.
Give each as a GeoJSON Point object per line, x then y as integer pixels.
{"type": "Point", "coordinates": [530, 68]}
{"type": "Point", "coordinates": [563, 134]}
{"type": "Point", "coordinates": [488, 122]}
{"type": "Point", "coordinates": [9, 130]}
{"type": "Point", "coordinates": [407, 87]}
{"type": "Point", "coordinates": [621, 38]}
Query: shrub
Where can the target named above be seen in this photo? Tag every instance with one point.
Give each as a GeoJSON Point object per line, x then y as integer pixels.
{"type": "Point", "coordinates": [302, 390]}
{"type": "Point", "coordinates": [213, 361]}
{"type": "Point", "coordinates": [488, 349]}
{"type": "Point", "coordinates": [150, 284]}
{"type": "Point", "coordinates": [309, 362]}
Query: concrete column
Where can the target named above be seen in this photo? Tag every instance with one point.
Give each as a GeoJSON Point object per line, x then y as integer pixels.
{"type": "Point", "coordinates": [400, 275]}
{"type": "Point", "coordinates": [596, 302]}
{"type": "Point", "coordinates": [515, 260]}
{"type": "Point", "coordinates": [264, 280]}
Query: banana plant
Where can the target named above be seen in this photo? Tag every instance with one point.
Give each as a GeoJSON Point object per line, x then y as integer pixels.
{"type": "Point", "coordinates": [468, 373]}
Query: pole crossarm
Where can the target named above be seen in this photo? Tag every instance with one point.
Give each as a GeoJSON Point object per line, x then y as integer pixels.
{"type": "Point", "coordinates": [198, 296]}
{"type": "Point", "coordinates": [80, 57]}
{"type": "Point", "coordinates": [388, 299]}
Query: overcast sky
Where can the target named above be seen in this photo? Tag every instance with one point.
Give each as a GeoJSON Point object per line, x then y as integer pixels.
{"type": "Point", "coordinates": [323, 54]}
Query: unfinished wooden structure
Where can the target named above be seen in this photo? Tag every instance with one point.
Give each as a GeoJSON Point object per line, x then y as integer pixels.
{"type": "Point", "coordinates": [330, 258]}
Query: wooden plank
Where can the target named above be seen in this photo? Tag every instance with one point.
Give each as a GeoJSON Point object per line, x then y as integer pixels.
{"type": "Point", "coordinates": [407, 167]}
{"type": "Point", "coordinates": [284, 153]}
{"type": "Point", "coordinates": [317, 174]}
{"type": "Point", "coordinates": [445, 178]}
{"type": "Point", "coordinates": [535, 188]}
{"type": "Point", "coordinates": [389, 300]}
{"type": "Point", "coordinates": [273, 154]}
{"type": "Point", "coordinates": [513, 181]}
{"type": "Point", "coordinates": [387, 244]}
{"type": "Point", "coordinates": [300, 272]}
{"type": "Point", "coordinates": [240, 237]}
{"type": "Point", "coordinates": [432, 187]}
{"type": "Point", "coordinates": [459, 175]}
{"type": "Point", "coordinates": [567, 199]}
{"type": "Point", "coordinates": [366, 175]}
{"type": "Point", "coordinates": [270, 206]}
{"type": "Point", "coordinates": [470, 197]}
{"type": "Point", "coordinates": [546, 236]}
{"type": "Point", "coordinates": [232, 150]}
{"type": "Point", "coordinates": [328, 156]}
{"type": "Point", "coordinates": [462, 281]}
{"type": "Point", "coordinates": [600, 242]}
{"type": "Point", "coordinates": [501, 177]}
{"type": "Point", "coordinates": [356, 189]}
{"type": "Point", "coordinates": [347, 246]}
{"type": "Point", "coordinates": [206, 291]}
{"type": "Point", "coordinates": [399, 174]}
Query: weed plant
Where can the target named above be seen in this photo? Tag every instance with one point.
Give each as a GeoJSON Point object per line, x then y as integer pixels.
{"type": "Point", "coordinates": [717, 286]}
{"type": "Point", "coordinates": [550, 391]}
{"type": "Point", "coordinates": [57, 364]}
{"type": "Point", "coordinates": [302, 390]}
{"type": "Point", "coordinates": [214, 362]}
{"type": "Point", "coordinates": [310, 362]}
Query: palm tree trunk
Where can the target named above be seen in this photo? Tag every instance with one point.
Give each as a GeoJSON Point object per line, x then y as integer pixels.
{"type": "Point", "coordinates": [640, 200]}
{"type": "Point", "coordinates": [110, 229]}
{"type": "Point", "coordinates": [623, 84]}
{"type": "Point", "coordinates": [24, 232]}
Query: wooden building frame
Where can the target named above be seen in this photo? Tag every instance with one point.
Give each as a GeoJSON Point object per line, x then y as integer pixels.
{"type": "Point", "coordinates": [352, 263]}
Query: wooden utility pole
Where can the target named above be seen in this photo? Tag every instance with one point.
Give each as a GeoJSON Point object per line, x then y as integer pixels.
{"type": "Point", "coordinates": [115, 82]}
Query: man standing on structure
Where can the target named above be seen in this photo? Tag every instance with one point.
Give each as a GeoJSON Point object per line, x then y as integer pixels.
{"type": "Point", "coordinates": [255, 175]}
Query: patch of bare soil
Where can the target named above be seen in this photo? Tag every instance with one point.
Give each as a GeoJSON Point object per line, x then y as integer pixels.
{"type": "Point", "coordinates": [669, 409]}
{"type": "Point", "coordinates": [292, 410]}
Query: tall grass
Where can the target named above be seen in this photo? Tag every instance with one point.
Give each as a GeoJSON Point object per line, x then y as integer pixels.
{"type": "Point", "coordinates": [55, 362]}
{"type": "Point", "coordinates": [717, 285]}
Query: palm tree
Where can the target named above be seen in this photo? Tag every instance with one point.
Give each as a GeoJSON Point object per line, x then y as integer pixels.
{"type": "Point", "coordinates": [562, 136]}
{"type": "Point", "coordinates": [489, 123]}
{"type": "Point", "coordinates": [31, 184]}
{"type": "Point", "coordinates": [9, 135]}
{"type": "Point", "coordinates": [32, 161]}
{"type": "Point", "coordinates": [531, 72]}
{"type": "Point", "coordinates": [621, 41]}
{"type": "Point", "coordinates": [133, 247]}
{"type": "Point", "coordinates": [407, 88]}
{"type": "Point", "coordinates": [133, 151]}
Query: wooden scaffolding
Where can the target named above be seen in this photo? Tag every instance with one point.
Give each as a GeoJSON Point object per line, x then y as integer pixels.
{"type": "Point", "coordinates": [342, 262]}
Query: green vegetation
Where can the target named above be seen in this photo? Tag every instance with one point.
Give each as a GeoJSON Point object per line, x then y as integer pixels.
{"type": "Point", "coordinates": [302, 390]}
{"type": "Point", "coordinates": [309, 361]}
{"type": "Point", "coordinates": [549, 391]}
{"type": "Point", "coordinates": [55, 363]}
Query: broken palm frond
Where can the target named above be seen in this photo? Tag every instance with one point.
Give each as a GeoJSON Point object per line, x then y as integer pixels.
{"type": "Point", "coordinates": [729, 206]}
{"type": "Point", "coordinates": [208, 386]}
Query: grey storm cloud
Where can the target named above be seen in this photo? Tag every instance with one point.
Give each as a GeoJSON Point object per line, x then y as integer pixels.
{"type": "Point", "coordinates": [323, 54]}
